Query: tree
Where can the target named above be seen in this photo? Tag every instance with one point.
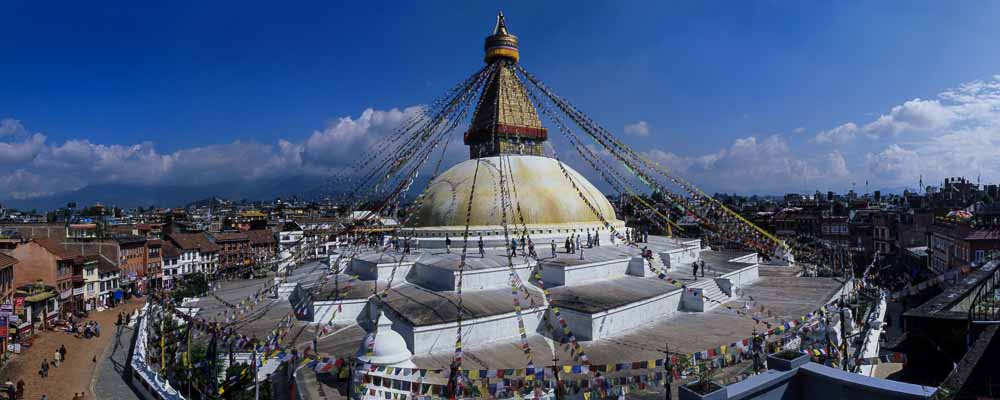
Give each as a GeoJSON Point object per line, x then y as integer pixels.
{"type": "Point", "coordinates": [192, 285]}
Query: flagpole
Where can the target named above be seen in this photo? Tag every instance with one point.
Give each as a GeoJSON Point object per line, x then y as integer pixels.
{"type": "Point", "coordinates": [667, 369]}
{"type": "Point", "coordinates": [256, 389]}
{"type": "Point", "coordinates": [189, 360]}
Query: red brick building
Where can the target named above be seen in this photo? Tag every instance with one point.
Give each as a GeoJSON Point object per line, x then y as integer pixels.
{"type": "Point", "coordinates": [263, 246]}
{"type": "Point", "coordinates": [235, 253]}
{"type": "Point", "coordinates": [55, 263]}
{"type": "Point", "coordinates": [131, 260]}
{"type": "Point", "coordinates": [154, 263]}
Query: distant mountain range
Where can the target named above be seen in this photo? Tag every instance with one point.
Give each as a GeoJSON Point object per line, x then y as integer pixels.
{"type": "Point", "coordinates": [128, 196]}
{"type": "Point", "coordinates": [303, 186]}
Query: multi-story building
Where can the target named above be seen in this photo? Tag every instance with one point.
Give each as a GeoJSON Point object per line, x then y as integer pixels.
{"type": "Point", "coordinates": [982, 243]}
{"type": "Point", "coordinates": [235, 253]}
{"type": "Point", "coordinates": [131, 261]}
{"type": "Point", "coordinates": [251, 220]}
{"type": "Point", "coordinates": [7, 264]}
{"type": "Point", "coordinates": [955, 244]}
{"type": "Point", "coordinates": [154, 263]}
{"type": "Point", "coordinates": [263, 247]}
{"type": "Point", "coordinates": [197, 253]}
{"type": "Point", "coordinates": [109, 284]}
{"type": "Point", "coordinates": [290, 236]}
{"type": "Point", "coordinates": [91, 283]}
{"type": "Point", "coordinates": [170, 256]}
{"type": "Point", "coordinates": [884, 232]}
{"type": "Point", "coordinates": [835, 229]}
{"type": "Point", "coordinates": [82, 231]}
{"type": "Point", "coordinates": [55, 263]}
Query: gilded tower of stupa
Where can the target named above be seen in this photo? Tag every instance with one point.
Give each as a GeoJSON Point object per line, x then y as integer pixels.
{"type": "Point", "coordinates": [505, 122]}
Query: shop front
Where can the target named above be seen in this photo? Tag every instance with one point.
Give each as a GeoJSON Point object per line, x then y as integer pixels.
{"type": "Point", "coordinates": [39, 304]}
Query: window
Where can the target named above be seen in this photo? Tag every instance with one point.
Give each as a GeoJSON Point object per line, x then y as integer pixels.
{"type": "Point", "coordinates": [980, 255]}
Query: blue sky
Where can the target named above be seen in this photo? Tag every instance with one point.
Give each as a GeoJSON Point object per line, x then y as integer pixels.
{"type": "Point", "coordinates": [749, 97]}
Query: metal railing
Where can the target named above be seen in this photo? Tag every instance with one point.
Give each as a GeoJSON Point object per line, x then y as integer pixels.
{"type": "Point", "coordinates": [985, 307]}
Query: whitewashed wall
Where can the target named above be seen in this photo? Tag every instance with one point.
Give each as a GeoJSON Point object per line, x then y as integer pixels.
{"type": "Point", "coordinates": [619, 320]}
{"type": "Point", "coordinates": [441, 337]}
{"type": "Point", "coordinates": [349, 310]}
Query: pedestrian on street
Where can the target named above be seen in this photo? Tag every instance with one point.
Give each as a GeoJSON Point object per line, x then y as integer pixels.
{"type": "Point", "coordinates": [56, 358]}
{"type": "Point", "coordinates": [62, 352]}
{"type": "Point", "coordinates": [482, 249]}
{"type": "Point", "coordinates": [553, 248]}
{"type": "Point", "coordinates": [45, 368]}
{"type": "Point", "coordinates": [695, 272]}
{"type": "Point", "coordinates": [447, 244]}
{"type": "Point", "coordinates": [701, 265]}
{"type": "Point", "coordinates": [11, 391]}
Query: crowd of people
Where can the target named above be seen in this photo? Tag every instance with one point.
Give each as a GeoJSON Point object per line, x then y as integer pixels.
{"type": "Point", "coordinates": [88, 330]}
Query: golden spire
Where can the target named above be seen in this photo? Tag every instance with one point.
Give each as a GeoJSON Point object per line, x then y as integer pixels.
{"type": "Point", "coordinates": [501, 44]}
{"type": "Point", "coordinates": [505, 121]}
{"type": "Point", "coordinates": [501, 27]}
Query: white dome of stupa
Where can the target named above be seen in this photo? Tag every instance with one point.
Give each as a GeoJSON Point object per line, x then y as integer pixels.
{"type": "Point", "coordinates": [390, 348]}
{"type": "Point", "coordinates": [545, 195]}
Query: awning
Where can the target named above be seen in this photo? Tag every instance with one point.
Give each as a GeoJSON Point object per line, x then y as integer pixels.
{"type": "Point", "coordinates": [35, 298]}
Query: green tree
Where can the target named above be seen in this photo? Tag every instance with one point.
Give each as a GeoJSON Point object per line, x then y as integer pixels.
{"type": "Point", "coordinates": [193, 285]}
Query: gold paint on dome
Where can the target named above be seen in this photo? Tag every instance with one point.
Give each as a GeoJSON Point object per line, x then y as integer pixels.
{"type": "Point", "coordinates": [545, 195]}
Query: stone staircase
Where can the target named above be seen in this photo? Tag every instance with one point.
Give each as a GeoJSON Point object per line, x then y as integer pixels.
{"type": "Point", "coordinates": [711, 296]}
{"type": "Point", "coordinates": [715, 293]}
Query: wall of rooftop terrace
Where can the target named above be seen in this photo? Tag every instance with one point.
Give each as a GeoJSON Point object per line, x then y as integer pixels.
{"type": "Point", "coordinates": [806, 380]}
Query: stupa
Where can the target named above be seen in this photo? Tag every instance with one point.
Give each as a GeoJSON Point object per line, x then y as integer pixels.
{"type": "Point", "coordinates": [506, 124]}
{"type": "Point", "coordinates": [603, 289]}
{"type": "Point", "coordinates": [607, 298]}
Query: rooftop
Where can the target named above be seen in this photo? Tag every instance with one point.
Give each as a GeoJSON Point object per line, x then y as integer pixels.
{"type": "Point", "coordinates": [686, 332]}
{"type": "Point", "coordinates": [6, 261]}
{"type": "Point", "coordinates": [194, 241]}
{"type": "Point", "coordinates": [422, 307]}
{"type": "Point", "coordinates": [230, 237]}
{"type": "Point", "coordinates": [609, 294]}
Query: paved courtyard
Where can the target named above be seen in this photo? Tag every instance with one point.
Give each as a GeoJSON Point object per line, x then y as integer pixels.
{"type": "Point", "coordinates": [83, 360]}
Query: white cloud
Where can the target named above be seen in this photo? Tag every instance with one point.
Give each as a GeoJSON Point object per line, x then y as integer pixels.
{"type": "Point", "coordinates": [752, 165]}
{"type": "Point", "coordinates": [21, 151]}
{"type": "Point", "coordinates": [914, 115]}
{"type": "Point", "coordinates": [894, 163]}
{"type": "Point", "coordinates": [837, 166]}
{"type": "Point", "coordinates": [347, 136]}
{"type": "Point", "coordinates": [31, 167]}
{"type": "Point", "coordinates": [11, 127]}
{"type": "Point", "coordinates": [640, 128]}
{"type": "Point", "coordinates": [839, 135]}
{"type": "Point", "coordinates": [957, 133]}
